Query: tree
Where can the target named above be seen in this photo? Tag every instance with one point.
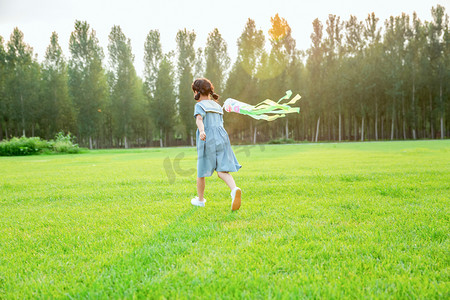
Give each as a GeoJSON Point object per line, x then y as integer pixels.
{"type": "Point", "coordinates": [372, 67]}
{"type": "Point", "coordinates": [199, 68]}
{"type": "Point", "coordinates": [416, 41]}
{"type": "Point", "coordinates": [394, 44]}
{"type": "Point", "coordinates": [58, 108]}
{"type": "Point", "coordinates": [282, 56]}
{"type": "Point", "coordinates": [22, 83]}
{"type": "Point", "coordinates": [242, 80]}
{"type": "Point", "coordinates": [3, 103]}
{"type": "Point", "coordinates": [186, 62]}
{"type": "Point", "coordinates": [123, 82]}
{"type": "Point", "coordinates": [87, 79]}
{"type": "Point", "coordinates": [315, 66]}
{"type": "Point", "coordinates": [333, 51]}
{"type": "Point", "coordinates": [437, 59]}
{"type": "Point", "coordinates": [162, 105]}
{"type": "Point", "coordinates": [217, 60]}
{"type": "Point", "coordinates": [152, 58]}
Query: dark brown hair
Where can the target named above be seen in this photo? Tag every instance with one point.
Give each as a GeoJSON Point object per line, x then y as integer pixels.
{"type": "Point", "coordinates": [204, 87]}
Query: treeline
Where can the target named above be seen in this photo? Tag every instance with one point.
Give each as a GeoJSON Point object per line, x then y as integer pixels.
{"type": "Point", "coordinates": [359, 80]}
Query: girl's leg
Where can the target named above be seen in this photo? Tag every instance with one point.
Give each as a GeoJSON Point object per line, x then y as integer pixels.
{"type": "Point", "coordinates": [225, 176]}
{"type": "Point", "coordinates": [200, 187]}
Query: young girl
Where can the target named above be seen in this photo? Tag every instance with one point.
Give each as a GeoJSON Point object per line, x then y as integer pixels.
{"type": "Point", "coordinates": [213, 145]}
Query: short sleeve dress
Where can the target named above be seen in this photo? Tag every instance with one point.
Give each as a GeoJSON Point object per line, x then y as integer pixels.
{"type": "Point", "coordinates": [214, 154]}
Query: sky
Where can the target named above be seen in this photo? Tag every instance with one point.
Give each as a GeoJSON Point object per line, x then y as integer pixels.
{"type": "Point", "coordinates": [37, 19]}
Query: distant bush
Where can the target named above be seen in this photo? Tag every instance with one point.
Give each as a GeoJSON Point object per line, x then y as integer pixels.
{"type": "Point", "coordinates": [282, 141]}
{"type": "Point", "coordinates": [23, 146]}
{"type": "Point", "coordinates": [34, 145]}
{"type": "Point", "coordinates": [64, 144]}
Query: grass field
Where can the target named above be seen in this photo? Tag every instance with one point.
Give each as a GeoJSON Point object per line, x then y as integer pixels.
{"type": "Point", "coordinates": [350, 220]}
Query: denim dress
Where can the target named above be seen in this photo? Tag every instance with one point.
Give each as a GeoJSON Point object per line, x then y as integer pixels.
{"type": "Point", "coordinates": [215, 153]}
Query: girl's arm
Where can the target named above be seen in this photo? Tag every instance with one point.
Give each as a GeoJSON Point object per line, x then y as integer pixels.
{"type": "Point", "coordinates": [201, 127]}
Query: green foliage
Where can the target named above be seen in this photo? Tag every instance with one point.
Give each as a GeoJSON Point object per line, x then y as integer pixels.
{"type": "Point", "coordinates": [317, 221]}
{"type": "Point", "coordinates": [57, 106]}
{"type": "Point", "coordinates": [185, 66]}
{"type": "Point", "coordinates": [87, 79]}
{"type": "Point", "coordinates": [217, 60]}
{"type": "Point", "coordinates": [359, 80]}
{"type": "Point", "coordinates": [64, 144]}
{"type": "Point", "coordinates": [163, 106]}
{"type": "Point", "coordinates": [35, 145]}
{"type": "Point", "coordinates": [152, 58]}
{"type": "Point", "coordinates": [22, 88]}
{"type": "Point", "coordinates": [23, 146]}
{"type": "Point", "coordinates": [123, 81]}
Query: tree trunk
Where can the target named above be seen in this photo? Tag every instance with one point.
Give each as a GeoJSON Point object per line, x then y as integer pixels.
{"type": "Point", "coordinates": [392, 124]}
{"type": "Point", "coordinates": [329, 129]}
{"type": "Point", "coordinates": [431, 117]}
{"type": "Point", "coordinates": [254, 135]}
{"type": "Point", "coordinates": [355, 126]}
{"type": "Point", "coordinates": [340, 126]}
{"type": "Point", "coordinates": [442, 112]}
{"type": "Point", "coordinates": [23, 115]}
{"type": "Point", "coordinates": [317, 129]}
{"type": "Point", "coordinates": [125, 142]}
{"type": "Point", "coordinates": [362, 129]}
{"type": "Point", "coordinates": [192, 139]}
{"type": "Point", "coordinates": [382, 128]}
{"type": "Point", "coordinates": [287, 128]}
{"type": "Point", "coordinates": [376, 119]}
{"type": "Point", "coordinates": [160, 138]}
{"type": "Point", "coordinates": [403, 117]}
{"type": "Point", "coordinates": [90, 142]}
{"type": "Point", "coordinates": [414, 108]}
{"type": "Point", "coordinates": [32, 129]}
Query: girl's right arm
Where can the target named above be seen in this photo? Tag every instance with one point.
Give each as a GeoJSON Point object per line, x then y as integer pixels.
{"type": "Point", "coordinates": [201, 127]}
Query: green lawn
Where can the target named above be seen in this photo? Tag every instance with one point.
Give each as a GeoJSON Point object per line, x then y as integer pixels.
{"type": "Point", "coordinates": [350, 220]}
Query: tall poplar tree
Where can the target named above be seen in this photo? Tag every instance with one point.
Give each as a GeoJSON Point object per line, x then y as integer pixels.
{"type": "Point", "coordinates": [394, 44]}
{"type": "Point", "coordinates": [152, 58]}
{"type": "Point", "coordinates": [3, 104]}
{"type": "Point", "coordinates": [242, 81]}
{"type": "Point", "coordinates": [123, 81]}
{"type": "Point", "coordinates": [22, 83]}
{"type": "Point", "coordinates": [373, 68]}
{"type": "Point", "coordinates": [59, 112]}
{"type": "Point", "coordinates": [355, 46]}
{"type": "Point", "coordinates": [437, 30]}
{"type": "Point", "coordinates": [217, 60]}
{"type": "Point", "coordinates": [162, 105]}
{"type": "Point", "coordinates": [87, 80]}
{"type": "Point", "coordinates": [416, 36]}
{"type": "Point", "coordinates": [185, 66]}
{"type": "Point", "coordinates": [315, 67]}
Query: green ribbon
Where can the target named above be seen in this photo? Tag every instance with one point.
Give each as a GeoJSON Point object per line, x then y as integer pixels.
{"type": "Point", "coordinates": [268, 106]}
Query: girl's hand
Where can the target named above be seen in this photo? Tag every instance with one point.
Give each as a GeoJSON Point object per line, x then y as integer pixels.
{"type": "Point", "coordinates": [203, 135]}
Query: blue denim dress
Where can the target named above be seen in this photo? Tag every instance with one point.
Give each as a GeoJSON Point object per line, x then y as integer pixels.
{"type": "Point", "coordinates": [215, 153]}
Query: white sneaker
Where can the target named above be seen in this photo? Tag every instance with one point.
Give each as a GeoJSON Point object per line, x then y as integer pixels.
{"type": "Point", "coordinates": [236, 198]}
{"type": "Point", "coordinates": [196, 202]}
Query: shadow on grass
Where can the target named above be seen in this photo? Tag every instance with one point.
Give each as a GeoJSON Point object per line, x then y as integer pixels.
{"type": "Point", "coordinates": [148, 264]}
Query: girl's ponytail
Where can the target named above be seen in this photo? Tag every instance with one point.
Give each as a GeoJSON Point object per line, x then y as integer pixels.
{"type": "Point", "coordinates": [214, 95]}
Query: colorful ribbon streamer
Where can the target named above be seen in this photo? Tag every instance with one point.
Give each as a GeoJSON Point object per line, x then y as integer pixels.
{"type": "Point", "coordinates": [260, 110]}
